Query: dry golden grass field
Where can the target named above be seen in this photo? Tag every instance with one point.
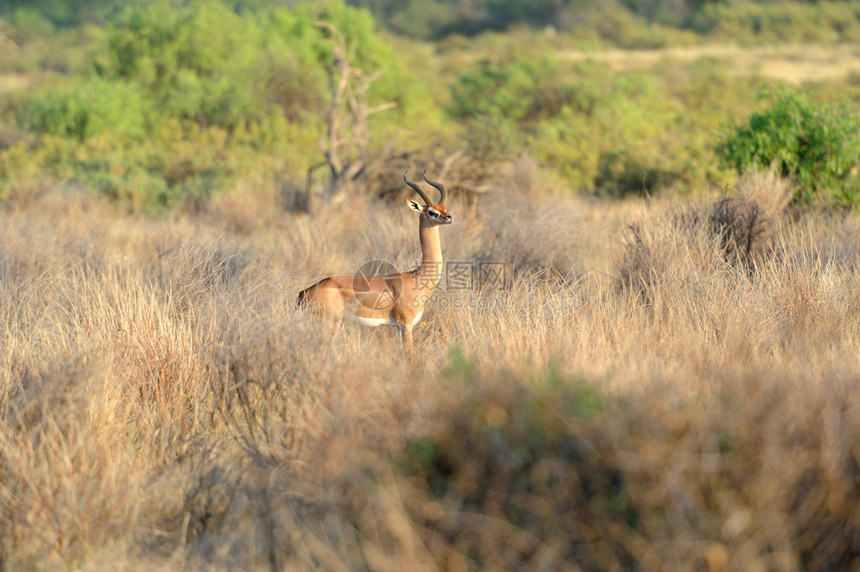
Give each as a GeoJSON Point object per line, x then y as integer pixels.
{"type": "Point", "coordinates": [791, 63]}
{"type": "Point", "coordinates": [667, 383]}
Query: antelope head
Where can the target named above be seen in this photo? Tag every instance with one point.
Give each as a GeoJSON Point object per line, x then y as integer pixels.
{"type": "Point", "coordinates": [435, 213]}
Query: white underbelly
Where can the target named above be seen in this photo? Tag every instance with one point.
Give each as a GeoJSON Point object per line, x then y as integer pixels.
{"type": "Point", "coordinates": [372, 322]}
{"type": "Point", "coordinates": [350, 311]}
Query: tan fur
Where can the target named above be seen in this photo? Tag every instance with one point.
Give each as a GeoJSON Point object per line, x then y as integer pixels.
{"type": "Point", "coordinates": [395, 300]}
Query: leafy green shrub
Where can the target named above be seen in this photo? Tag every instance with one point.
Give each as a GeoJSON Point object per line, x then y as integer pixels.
{"type": "Point", "coordinates": [522, 91]}
{"type": "Point", "coordinates": [205, 62]}
{"type": "Point", "coordinates": [757, 23]}
{"type": "Point", "coordinates": [439, 18]}
{"type": "Point", "coordinates": [499, 100]}
{"type": "Point", "coordinates": [635, 132]}
{"type": "Point", "coordinates": [185, 97]}
{"type": "Point", "coordinates": [29, 24]}
{"type": "Point", "coordinates": [88, 107]}
{"type": "Point", "coordinates": [817, 145]}
{"type": "Point", "coordinates": [585, 19]}
{"type": "Point", "coordinates": [59, 13]}
{"type": "Point", "coordinates": [192, 60]}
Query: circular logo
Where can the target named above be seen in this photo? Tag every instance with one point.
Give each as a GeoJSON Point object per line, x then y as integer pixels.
{"type": "Point", "coordinates": [377, 285]}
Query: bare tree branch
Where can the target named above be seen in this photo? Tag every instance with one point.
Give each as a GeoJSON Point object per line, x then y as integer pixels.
{"type": "Point", "coordinates": [345, 142]}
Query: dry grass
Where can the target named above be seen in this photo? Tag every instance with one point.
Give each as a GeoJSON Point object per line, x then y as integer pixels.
{"type": "Point", "coordinates": [791, 63]}
{"type": "Point", "coordinates": [631, 398]}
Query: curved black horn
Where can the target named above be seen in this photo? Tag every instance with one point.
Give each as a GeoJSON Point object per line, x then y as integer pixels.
{"type": "Point", "coordinates": [417, 188]}
{"type": "Point", "coordinates": [442, 190]}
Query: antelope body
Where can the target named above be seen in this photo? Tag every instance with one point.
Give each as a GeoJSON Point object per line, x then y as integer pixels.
{"type": "Point", "coordinates": [397, 299]}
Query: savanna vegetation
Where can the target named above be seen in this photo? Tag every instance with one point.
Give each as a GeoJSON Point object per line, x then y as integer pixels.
{"type": "Point", "coordinates": [650, 361]}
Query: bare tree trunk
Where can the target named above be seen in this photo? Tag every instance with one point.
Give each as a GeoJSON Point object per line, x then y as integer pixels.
{"type": "Point", "coordinates": [344, 144]}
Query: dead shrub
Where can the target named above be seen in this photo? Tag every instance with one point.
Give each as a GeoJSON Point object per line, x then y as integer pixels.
{"type": "Point", "coordinates": [738, 229]}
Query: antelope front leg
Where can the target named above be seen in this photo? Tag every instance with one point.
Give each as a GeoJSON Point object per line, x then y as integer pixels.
{"type": "Point", "coordinates": [405, 338]}
{"type": "Point", "coordinates": [334, 328]}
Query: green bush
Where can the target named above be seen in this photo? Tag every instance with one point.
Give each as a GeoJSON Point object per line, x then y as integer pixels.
{"type": "Point", "coordinates": [640, 132]}
{"type": "Point", "coordinates": [620, 23]}
{"type": "Point", "coordinates": [193, 60]}
{"type": "Point", "coordinates": [88, 107]}
{"type": "Point", "coordinates": [183, 98]}
{"type": "Point", "coordinates": [617, 134]}
{"type": "Point", "coordinates": [59, 13]}
{"type": "Point", "coordinates": [208, 63]}
{"type": "Point", "coordinates": [499, 101]}
{"type": "Point", "coordinates": [766, 23]}
{"type": "Point", "coordinates": [817, 145]}
{"type": "Point", "coordinates": [29, 24]}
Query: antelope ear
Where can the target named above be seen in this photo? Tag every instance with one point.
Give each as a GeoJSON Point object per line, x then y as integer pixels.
{"type": "Point", "coordinates": [413, 204]}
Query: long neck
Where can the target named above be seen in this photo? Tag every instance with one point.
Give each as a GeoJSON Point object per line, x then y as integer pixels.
{"type": "Point", "coordinates": [431, 252]}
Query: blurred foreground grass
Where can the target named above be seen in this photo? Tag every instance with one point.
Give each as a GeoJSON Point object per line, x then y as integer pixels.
{"type": "Point", "coordinates": [663, 383]}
